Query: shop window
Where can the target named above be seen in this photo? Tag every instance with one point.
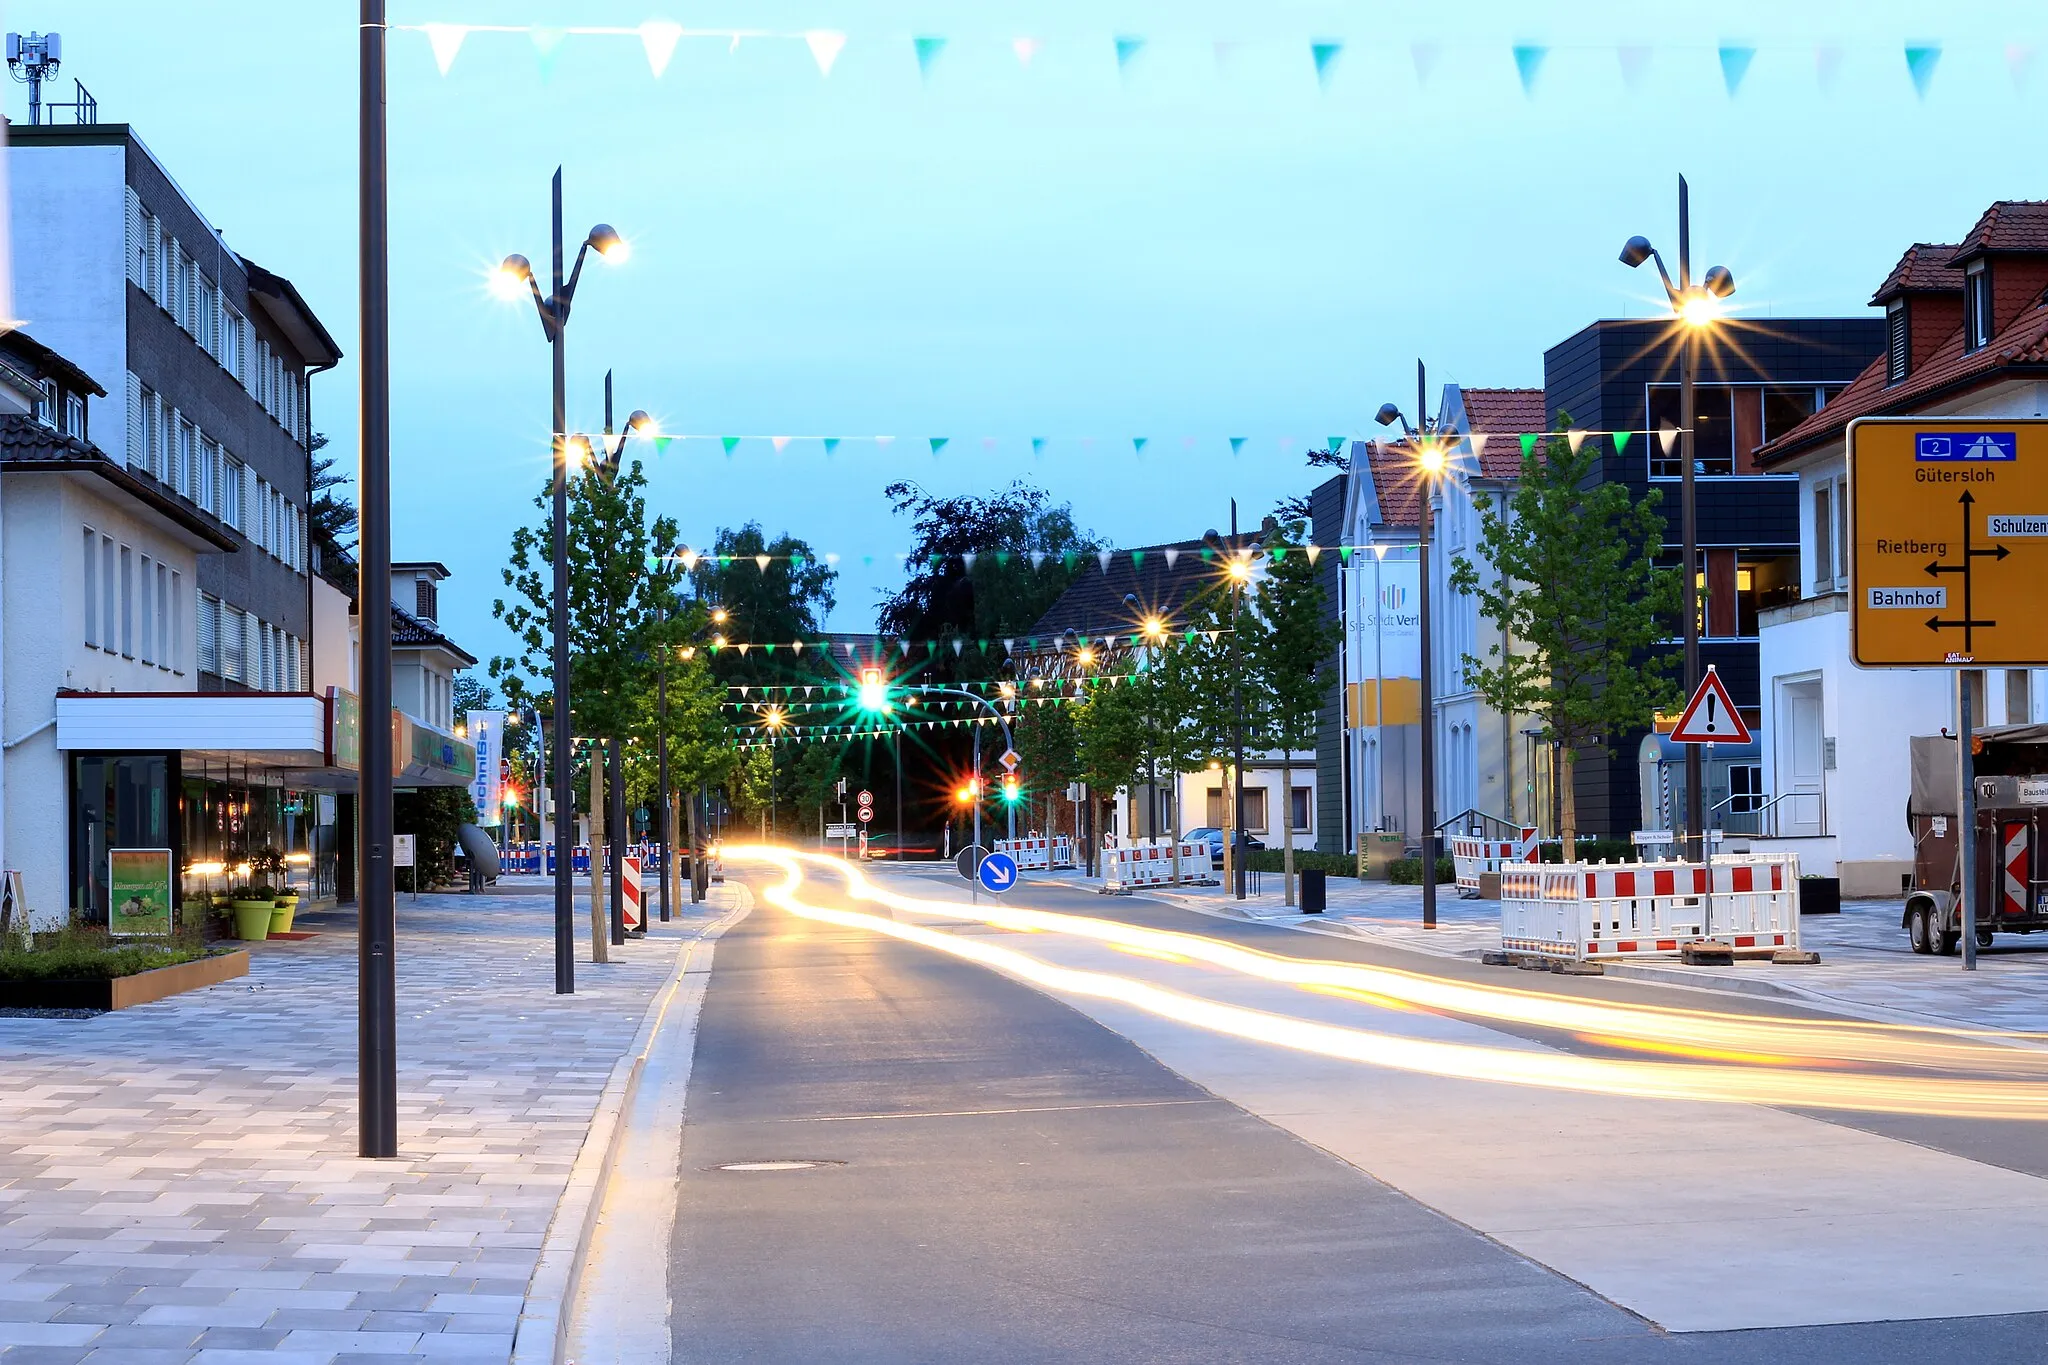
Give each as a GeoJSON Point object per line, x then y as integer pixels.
{"type": "Point", "coordinates": [117, 801]}
{"type": "Point", "coordinates": [1255, 810]}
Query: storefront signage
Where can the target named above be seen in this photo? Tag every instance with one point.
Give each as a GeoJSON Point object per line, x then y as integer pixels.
{"type": "Point", "coordinates": [487, 736]}
{"type": "Point", "coordinates": [139, 893]}
{"type": "Point", "coordinates": [344, 729]}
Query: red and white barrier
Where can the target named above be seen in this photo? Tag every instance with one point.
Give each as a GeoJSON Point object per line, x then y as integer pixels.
{"type": "Point", "coordinates": [1590, 913]}
{"type": "Point", "coordinates": [1471, 855]}
{"type": "Point", "coordinates": [1032, 855]}
{"type": "Point", "coordinates": [1152, 862]}
{"type": "Point", "coordinates": [633, 903]}
{"type": "Point", "coordinates": [1063, 851]}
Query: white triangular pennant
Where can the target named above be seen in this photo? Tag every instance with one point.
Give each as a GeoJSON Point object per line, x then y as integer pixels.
{"type": "Point", "coordinates": [659, 37]}
{"type": "Point", "coordinates": [967, 561]}
{"type": "Point", "coordinates": [1667, 436]}
{"type": "Point", "coordinates": [446, 40]}
{"type": "Point", "coordinates": [1172, 556]}
{"type": "Point", "coordinates": [1103, 557]}
{"type": "Point", "coordinates": [824, 45]}
{"type": "Point", "coordinates": [1575, 438]}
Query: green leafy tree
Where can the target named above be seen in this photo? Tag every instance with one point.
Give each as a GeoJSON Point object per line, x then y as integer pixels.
{"type": "Point", "coordinates": [1569, 575]}
{"type": "Point", "coordinates": [1296, 643]}
{"type": "Point", "coordinates": [1049, 747]}
{"type": "Point", "coordinates": [332, 517]}
{"type": "Point", "coordinates": [622, 582]}
{"type": "Point", "coordinates": [814, 777]}
{"type": "Point", "coordinates": [777, 604]}
{"type": "Point", "coordinates": [751, 785]}
{"type": "Point", "coordinates": [434, 814]}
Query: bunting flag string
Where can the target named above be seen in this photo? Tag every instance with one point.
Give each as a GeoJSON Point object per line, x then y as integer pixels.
{"type": "Point", "coordinates": [692, 560]}
{"type": "Point", "coordinates": [888, 646]}
{"type": "Point", "coordinates": [847, 689]}
{"type": "Point", "coordinates": [781, 444]}
{"type": "Point", "coordinates": [1128, 54]}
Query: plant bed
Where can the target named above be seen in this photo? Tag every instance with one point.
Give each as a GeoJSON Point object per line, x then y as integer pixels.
{"type": "Point", "coordinates": [118, 992]}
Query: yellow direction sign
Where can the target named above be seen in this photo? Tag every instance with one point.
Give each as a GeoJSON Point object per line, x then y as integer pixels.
{"type": "Point", "coordinates": [1949, 536]}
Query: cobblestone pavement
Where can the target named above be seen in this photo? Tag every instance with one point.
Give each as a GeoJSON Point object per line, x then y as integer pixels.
{"type": "Point", "coordinates": [1866, 968]}
{"type": "Point", "coordinates": [178, 1182]}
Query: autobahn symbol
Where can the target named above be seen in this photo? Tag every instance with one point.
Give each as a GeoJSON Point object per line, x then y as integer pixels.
{"type": "Point", "coordinates": [1947, 541]}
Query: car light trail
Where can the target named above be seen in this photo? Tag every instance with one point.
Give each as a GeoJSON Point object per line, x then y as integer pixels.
{"type": "Point", "coordinates": [1729, 1078]}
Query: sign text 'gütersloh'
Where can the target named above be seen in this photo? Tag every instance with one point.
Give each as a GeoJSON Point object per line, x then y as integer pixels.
{"type": "Point", "coordinates": [1948, 542]}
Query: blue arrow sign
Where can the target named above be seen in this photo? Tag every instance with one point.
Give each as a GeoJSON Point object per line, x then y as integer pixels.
{"type": "Point", "coordinates": [998, 872]}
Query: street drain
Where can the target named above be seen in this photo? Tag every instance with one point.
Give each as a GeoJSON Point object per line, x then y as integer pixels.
{"type": "Point", "coordinates": [775, 1165]}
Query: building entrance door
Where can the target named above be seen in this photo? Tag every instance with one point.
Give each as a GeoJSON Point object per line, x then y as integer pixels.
{"type": "Point", "coordinates": [1801, 745]}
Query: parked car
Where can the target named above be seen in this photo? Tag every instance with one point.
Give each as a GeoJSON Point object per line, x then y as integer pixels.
{"type": "Point", "coordinates": [1213, 837]}
{"type": "Point", "coordinates": [903, 847]}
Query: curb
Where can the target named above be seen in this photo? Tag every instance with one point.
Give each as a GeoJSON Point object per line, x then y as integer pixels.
{"type": "Point", "coordinates": [542, 1334]}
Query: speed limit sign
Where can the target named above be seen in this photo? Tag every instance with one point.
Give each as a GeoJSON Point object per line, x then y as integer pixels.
{"type": "Point", "coordinates": [866, 799]}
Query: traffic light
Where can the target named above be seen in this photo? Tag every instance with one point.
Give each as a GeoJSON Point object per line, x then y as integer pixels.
{"type": "Point", "coordinates": [874, 692]}
{"type": "Point", "coordinates": [1013, 790]}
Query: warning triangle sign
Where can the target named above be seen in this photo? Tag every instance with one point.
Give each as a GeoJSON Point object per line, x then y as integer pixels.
{"type": "Point", "coordinates": [1710, 717]}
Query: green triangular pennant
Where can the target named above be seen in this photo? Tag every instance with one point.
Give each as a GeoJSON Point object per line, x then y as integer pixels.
{"type": "Point", "coordinates": [661, 444]}
{"type": "Point", "coordinates": [1344, 554]}
{"type": "Point", "coordinates": [939, 443]}
{"type": "Point", "coordinates": [1529, 439]}
{"type": "Point", "coordinates": [728, 442]}
{"type": "Point", "coordinates": [1621, 440]}
{"type": "Point", "coordinates": [831, 445]}
{"type": "Point", "coordinates": [1236, 444]}
{"type": "Point", "coordinates": [928, 50]}
{"type": "Point", "coordinates": [1137, 558]}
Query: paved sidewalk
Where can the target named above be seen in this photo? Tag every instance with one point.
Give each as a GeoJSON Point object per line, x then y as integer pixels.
{"type": "Point", "coordinates": [1866, 968]}
{"type": "Point", "coordinates": [178, 1182]}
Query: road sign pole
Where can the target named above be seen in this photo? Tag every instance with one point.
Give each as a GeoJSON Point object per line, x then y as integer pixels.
{"type": "Point", "coordinates": [1966, 815]}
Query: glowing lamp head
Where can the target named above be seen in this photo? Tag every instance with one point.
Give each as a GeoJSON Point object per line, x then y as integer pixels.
{"type": "Point", "coordinates": [874, 692]}
{"type": "Point", "coordinates": [1430, 458]}
{"type": "Point", "coordinates": [1240, 569]}
{"type": "Point", "coordinates": [606, 242]}
{"type": "Point", "coordinates": [1698, 308]}
{"type": "Point", "coordinates": [1154, 627]}
{"type": "Point", "coordinates": [512, 277]}
{"type": "Point", "coordinates": [1013, 791]}
{"type": "Point", "coordinates": [776, 718]}
{"type": "Point", "coordinates": [1086, 656]}
{"type": "Point", "coordinates": [718, 615]}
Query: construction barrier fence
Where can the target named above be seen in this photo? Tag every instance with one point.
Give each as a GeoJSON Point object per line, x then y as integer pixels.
{"type": "Point", "coordinates": [1594, 912]}
{"type": "Point", "coordinates": [1472, 855]}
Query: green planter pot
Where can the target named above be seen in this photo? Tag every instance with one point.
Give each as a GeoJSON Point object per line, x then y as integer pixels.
{"type": "Point", "coordinates": [252, 919]}
{"type": "Point", "coordinates": [281, 914]}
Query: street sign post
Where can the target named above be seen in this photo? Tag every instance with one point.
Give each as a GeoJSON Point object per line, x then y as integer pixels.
{"type": "Point", "coordinates": [1710, 717]}
{"type": "Point", "coordinates": [1010, 759]}
{"type": "Point", "coordinates": [969, 861]}
{"type": "Point", "coordinates": [1948, 547]}
{"type": "Point", "coordinates": [998, 873]}
{"type": "Point", "coordinates": [1948, 542]}
{"type": "Point", "coordinates": [845, 831]}
{"type": "Point", "coordinates": [866, 813]}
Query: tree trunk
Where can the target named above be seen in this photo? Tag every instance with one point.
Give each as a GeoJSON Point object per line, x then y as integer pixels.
{"type": "Point", "coordinates": [1173, 804]}
{"type": "Point", "coordinates": [600, 910]}
{"type": "Point", "coordinates": [1287, 822]}
{"type": "Point", "coordinates": [1568, 815]}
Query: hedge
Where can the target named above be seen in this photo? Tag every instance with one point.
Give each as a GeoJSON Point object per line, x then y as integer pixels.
{"type": "Point", "coordinates": [1593, 850]}
{"type": "Point", "coordinates": [1408, 871]}
{"type": "Point", "coordinates": [1305, 859]}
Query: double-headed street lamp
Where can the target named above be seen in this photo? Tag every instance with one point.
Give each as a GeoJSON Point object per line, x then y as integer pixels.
{"type": "Point", "coordinates": [1428, 445]}
{"type": "Point", "coordinates": [554, 320]}
{"type": "Point", "coordinates": [1694, 308]}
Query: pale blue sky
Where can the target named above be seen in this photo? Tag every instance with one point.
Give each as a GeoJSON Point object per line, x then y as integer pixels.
{"type": "Point", "coordinates": [1192, 247]}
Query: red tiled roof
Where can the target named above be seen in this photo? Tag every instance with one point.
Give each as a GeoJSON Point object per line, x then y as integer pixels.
{"type": "Point", "coordinates": [1396, 484]}
{"type": "Point", "coordinates": [1503, 413]}
{"type": "Point", "coordinates": [2008, 225]}
{"type": "Point", "coordinates": [2023, 345]}
{"type": "Point", "coordinates": [1924, 268]}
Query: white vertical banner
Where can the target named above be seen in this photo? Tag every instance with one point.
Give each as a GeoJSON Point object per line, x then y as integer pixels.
{"type": "Point", "coordinates": [486, 732]}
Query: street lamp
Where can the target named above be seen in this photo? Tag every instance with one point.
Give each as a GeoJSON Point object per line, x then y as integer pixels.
{"type": "Point", "coordinates": [1237, 572]}
{"type": "Point", "coordinates": [1694, 308]}
{"type": "Point", "coordinates": [1430, 449]}
{"type": "Point", "coordinates": [554, 320]}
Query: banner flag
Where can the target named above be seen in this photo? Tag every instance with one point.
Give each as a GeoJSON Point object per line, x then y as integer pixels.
{"type": "Point", "coordinates": [547, 45]}
{"type": "Point", "coordinates": [2019, 61]}
{"type": "Point", "coordinates": [1621, 440]}
{"type": "Point", "coordinates": [824, 45]}
{"type": "Point", "coordinates": [1735, 62]}
{"type": "Point", "coordinates": [1171, 556]}
{"type": "Point", "coordinates": [1528, 443]}
{"type": "Point", "coordinates": [831, 445]}
{"type": "Point", "coordinates": [1575, 438]}
{"type": "Point", "coordinates": [1138, 444]}
{"type": "Point", "coordinates": [446, 40]}
{"type": "Point", "coordinates": [1325, 55]}
{"type": "Point", "coordinates": [1424, 56]}
{"type": "Point", "coordinates": [1236, 444]}
{"type": "Point", "coordinates": [1635, 60]}
{"type": "Point", "coordinates": [1921, 59]}
{"type": "Point", "coordinates": [1038, 445]}
{"type": "Point", "coordinates": [659, 37]}
{"type": "Point", "coordinates": [661, 444]}
{"type": "Point", "coordinates": [938, 443]}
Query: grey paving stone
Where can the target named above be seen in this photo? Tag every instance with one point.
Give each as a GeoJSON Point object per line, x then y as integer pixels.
{"type": "Point", "coordinates": [191, 1163]}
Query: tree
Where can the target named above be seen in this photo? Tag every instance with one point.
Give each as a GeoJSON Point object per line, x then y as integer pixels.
{"type": "Point", "coordinates": [750, 786]}
{"type": "Point", "coordinates": [472, 693]}
{"type": "Point", "coordinates": [775, 604]}
{"type": "Point", "coordinates": [434, 814]}
{"type": "Point", "coordinates": [971, 570]}
{"type": "Point", "coordinates": [1288, 655]}
{"type": "Point", "coordinates": [622, 587]}
{"type": "Point", "coordinates": [332, 517]}
{"type": "Point", "coordinates": [1046, 742]}
{"type": "Point", "coordinates": [813, 783]}
{"type": "Point", "coordinates": [1571, 582]}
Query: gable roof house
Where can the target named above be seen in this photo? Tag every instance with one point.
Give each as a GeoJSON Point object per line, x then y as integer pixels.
{"type": "Point", "coordinates": [1966, 335]}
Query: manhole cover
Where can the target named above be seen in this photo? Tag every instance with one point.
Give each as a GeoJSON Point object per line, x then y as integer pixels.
{"type": "Point", "coordinates": [774, 1165]}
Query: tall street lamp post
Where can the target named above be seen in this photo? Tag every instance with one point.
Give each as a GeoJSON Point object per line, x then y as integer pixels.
{"type": "Point", "coordinates": [1427, 443]}
{"type": "Point", "coordinates": [377, 924]}
{"type": "Point", "coordinates": [1237, 570]}
{"type": "Point", "coordinates": [554, 320]}
{"type": "Point", "coordinates": [1694, 307]}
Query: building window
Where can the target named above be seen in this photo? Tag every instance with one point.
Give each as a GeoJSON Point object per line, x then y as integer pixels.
{"type": "Point", "coordinates": [127, 604]}
{"type": "Point", "coordinates": [1977, 324]}
{"type": "Point", "coordinates": [92, 587]}
{"type": "Point", "coordinates": [424, 599]}
{"type": "Point", "coordinates": [1824, 537]}
{"type": "Point", "coordinates": [231, 489]}
{"type": "Point", "coordinates": [1298, 808]}
{"type": "Point", "coordinates": [46, 403]}
{"type": "Point", "coordinates": [1255, 810]}
{"type": "Point", "coordinates": [234, 647]}
{"type": "Point", "coordinates": [2018, 696]}
{"type": "Point", "coordinates": [1713, 446]}
{"type": "Point", "coordinates": [1898, 342]}
{"type": "Point", "coordinates": [145, 610]}
{"type": "Point", "coordinates": [1745, 788]}
{"type": "Point", "coordinates": [231, 325]}
{"type": "Point", "coordinates": [110, 598]}
{"type": "Point", "coordinates": [74, 415]}
{"type": "Point", "coordinates": [174, 649]}
{"type": "Point", "coordinates": [208, 631]}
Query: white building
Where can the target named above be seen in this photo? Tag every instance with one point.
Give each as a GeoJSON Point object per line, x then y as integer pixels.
{"type": "Point", "coordinates": [1968, 336]}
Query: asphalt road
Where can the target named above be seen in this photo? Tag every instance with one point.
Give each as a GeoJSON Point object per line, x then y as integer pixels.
{"type": "Point", "coordinates": [1010, 1181]}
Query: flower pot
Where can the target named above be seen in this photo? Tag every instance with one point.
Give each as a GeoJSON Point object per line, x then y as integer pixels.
{"type": "Point", "coordinates": [281, 915]}
{"type": "Point", "coordinates": [252, 919]}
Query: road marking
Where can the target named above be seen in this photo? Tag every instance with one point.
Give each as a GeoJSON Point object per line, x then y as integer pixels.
{"type": "Point", "coordinates": [984, 1113]}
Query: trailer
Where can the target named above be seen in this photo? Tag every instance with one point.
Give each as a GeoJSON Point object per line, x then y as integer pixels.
{"type": "Point", "coordinates": [2010, 883]}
